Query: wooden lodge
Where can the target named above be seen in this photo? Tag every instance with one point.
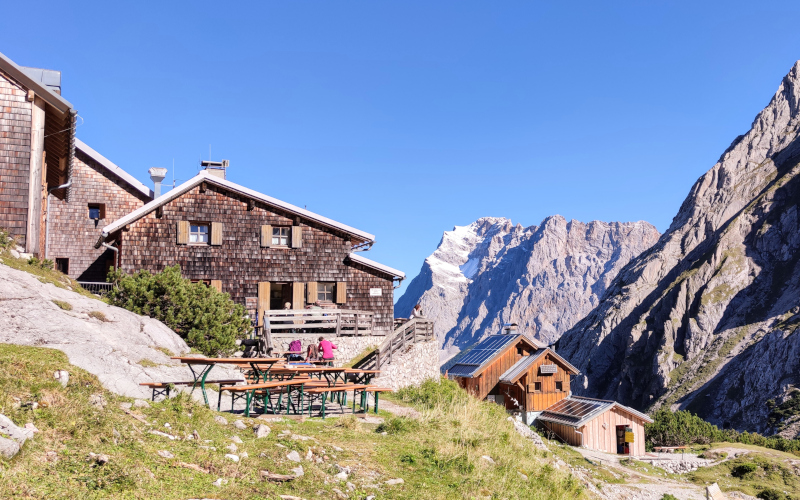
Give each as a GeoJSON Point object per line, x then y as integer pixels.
{"type": "Point", "coordinates": [262, 251]}
{"type": "Point", "coordinates": [37, 143]}
{"type": "Point", "coordinates": [529, 378]}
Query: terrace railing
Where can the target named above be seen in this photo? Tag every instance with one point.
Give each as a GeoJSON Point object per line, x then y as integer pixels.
{"type": "Point", "coordinates": [97, 288]}
{"type": "Point", "coordinates": [339, 321]}
{"type": "Point", "coordinates": [405, 335]}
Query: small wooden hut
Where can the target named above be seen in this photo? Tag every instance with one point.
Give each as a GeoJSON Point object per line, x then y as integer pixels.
{"type": "Point", "coordinates": [596, 424]}
{"type": "Point", "coordinates": [536, 382]}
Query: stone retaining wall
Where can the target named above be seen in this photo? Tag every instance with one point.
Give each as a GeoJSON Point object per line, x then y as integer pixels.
{"type": "Point", "coordinates": [418, 363]}
{"type": "Point", "coordinates": [347, 348]}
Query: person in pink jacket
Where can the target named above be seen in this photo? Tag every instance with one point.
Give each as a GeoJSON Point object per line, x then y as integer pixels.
{"type": "Point", "coordinates": [326, 348]}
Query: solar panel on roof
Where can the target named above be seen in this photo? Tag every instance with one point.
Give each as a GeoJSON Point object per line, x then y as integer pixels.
{"type": "Point", "coordinates": [485, 349]}
{"type": "Point", "coordinates": [461, 370]}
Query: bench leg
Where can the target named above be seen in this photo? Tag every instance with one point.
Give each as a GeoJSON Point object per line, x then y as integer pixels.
{"type": "Point", "coordinates": [323, 404]}
{"type": "Point", "coordinates": [247, 403]}
{"type": "Point", "coordinates": [376, 402]}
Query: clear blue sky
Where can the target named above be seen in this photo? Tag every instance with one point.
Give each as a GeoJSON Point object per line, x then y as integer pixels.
{"type": "Point", "coordinates": [406, 118]}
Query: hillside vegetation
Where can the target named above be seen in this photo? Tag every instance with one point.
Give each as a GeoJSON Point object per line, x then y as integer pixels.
{"type": "Point", "coordinates": [438, 455]}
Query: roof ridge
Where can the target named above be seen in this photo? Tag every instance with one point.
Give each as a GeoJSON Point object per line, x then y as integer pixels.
{"type": "Point", "coordinates": [113, 168]}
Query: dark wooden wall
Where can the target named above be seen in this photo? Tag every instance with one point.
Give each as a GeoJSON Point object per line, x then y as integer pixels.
{"type": "Point", "coordinates": [15, 157]}
{"type": "Point", "coordinates": [548, 396]}
{"type": "Point", "coordinates": [240, 262]}
{"type": "Point", "coordinates": [487, 381]}
{"type": "Point", "coordinates": [72, 233]}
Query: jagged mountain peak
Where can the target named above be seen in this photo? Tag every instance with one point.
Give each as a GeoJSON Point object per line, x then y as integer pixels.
{"type": "Point", "coordinates": [542, 277]}
{"type": "Point", "coordinates": [705, 320]}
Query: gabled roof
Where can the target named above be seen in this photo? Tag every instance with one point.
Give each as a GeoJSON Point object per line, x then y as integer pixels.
{"type": "Point", "coordinates": [521, 367]}
{"type": "Point", "coordinates": [114, 169]}
{"type": "Point", "coordinates": [204, 176]}
{"type": "Point", "coordinates": [576, 411]}
{"type": "Point", "coordinates": [360, 259]}
{"type": "Point", "coordinates": [17, 73]}
{"type": "Point", "coordinates": [481, 355]}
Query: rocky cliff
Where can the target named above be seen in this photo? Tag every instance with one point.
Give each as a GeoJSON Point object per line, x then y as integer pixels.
{"type": "Point", "coordinates": [545, 278]}
{"type": "Point", "coordinates": [706, 319]}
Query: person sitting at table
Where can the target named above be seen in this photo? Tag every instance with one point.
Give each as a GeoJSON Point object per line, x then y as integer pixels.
{"type": "Point", "coordinates": [326, 348]}
{"type": "Point", "coordinates": [295, 350]}
{"type": "Point", "coordinates": [312, 353]}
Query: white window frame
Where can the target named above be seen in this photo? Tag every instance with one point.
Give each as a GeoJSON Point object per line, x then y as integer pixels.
{"type": "Point", "coordinates": [281, 235]}
{"type": "Point", "coordinates": [197, 236]}
{"type": "Point", "coordinates": [326, 289]}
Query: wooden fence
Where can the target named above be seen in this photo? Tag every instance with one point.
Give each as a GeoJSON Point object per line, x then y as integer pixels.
{"type": "Point", "coordinates": [405, 335]}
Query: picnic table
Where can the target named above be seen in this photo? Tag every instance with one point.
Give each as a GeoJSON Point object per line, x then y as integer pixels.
{"type": "Point", "coordinates": [260, 367]}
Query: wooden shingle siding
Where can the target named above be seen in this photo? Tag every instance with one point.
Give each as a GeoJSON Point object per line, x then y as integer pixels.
{"type": "Point", "coordinates": [15, 151]}
{"type": "Point", "coordinates": [72, 233]}
{"type": "Point", "coordinates": [242, 261]}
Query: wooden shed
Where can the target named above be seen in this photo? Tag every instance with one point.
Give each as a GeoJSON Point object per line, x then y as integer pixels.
{"type": "Point", "coordinates": [479, 370]}
{"type": "Point", "coordinates": [596, 424]}
{"type": "Point", "coordinates": [536, 382]}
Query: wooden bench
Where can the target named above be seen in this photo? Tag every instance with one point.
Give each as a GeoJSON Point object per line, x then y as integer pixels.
{"type": "Point", "coordinates": [322, 392]}
{"type": "Point", "coordinates": [162, 388]}
{"type": "Point", "coordinates": [249, 391]}
{"type": "Point", "coordinates": [364, 402]}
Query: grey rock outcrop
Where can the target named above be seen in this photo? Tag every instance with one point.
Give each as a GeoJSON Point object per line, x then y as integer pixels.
{"type": "Point", "coordinates": [111, 350]}
{"type": "Point", "coordinates": [707, 319]}
{"type": "Point", "coordinates": [10, 446]}
{"type": "Point", "coordinates": [545, 278]}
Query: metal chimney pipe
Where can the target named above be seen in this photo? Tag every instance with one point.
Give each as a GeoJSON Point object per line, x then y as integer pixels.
{"type": "Point", "coordinates": [157, 175]}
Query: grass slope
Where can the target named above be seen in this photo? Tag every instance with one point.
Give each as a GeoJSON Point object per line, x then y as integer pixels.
{"type": "Point", "coordinates": [438, 455]}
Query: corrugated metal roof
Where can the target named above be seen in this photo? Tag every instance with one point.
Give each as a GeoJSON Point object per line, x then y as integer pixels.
{"type": "Point", "coordinates": [575, 411]}
{"type": "Point", "coordinates": [520, 367]}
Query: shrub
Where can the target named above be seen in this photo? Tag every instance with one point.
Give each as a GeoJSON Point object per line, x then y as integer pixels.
{"type": "Point", "coordinates": [771, 494]}
{"type": "Point", "coordinates": [41, 264]}
{"type": "Point", "coordinates": [667, 496]}
{"type": "Point", "coordinates": [742, 470]}
{"type": "Point", "coordinates": [208, 320]}
{"type": "Point", "coordinates": [63, 305]}
{"type": "Point", "coordinates": [397, 425]}
{"type": "Point", "coordinates": [682, 428]}
{"type": "Point", "coordinates": [98, 315]}
{"type": "Point", "coordinates": [6, 241]}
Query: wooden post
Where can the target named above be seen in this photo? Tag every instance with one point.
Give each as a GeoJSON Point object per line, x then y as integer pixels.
{"type": "Point", "coordinates": [35, 174]}
{"type": "Point", "coordinates": [338, 324]}
{"type": "Point", "coordinates": [356, 316]}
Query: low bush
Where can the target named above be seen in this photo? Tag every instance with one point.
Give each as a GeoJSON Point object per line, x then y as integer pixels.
{"type": "Point", "coordinates": [771, 494]}
{"type": "Point", "coordinates": [683, 428]}
{"type": "Point", "coordinates": [63, 305]}
{"type": "Point", "coordinates": [208, 320]}
{"type": "Point", "coordinates": [98, 315]}
{"type": "Point", "coordinates": [41, 264]}
{"type": "Point", "coordinates": [743, 470]}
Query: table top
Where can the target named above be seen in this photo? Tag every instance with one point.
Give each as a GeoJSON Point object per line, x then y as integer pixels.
{"type": "Point", "coordinates": [209, 361]}
{"type": "Point", "coordinates": [358, 370]}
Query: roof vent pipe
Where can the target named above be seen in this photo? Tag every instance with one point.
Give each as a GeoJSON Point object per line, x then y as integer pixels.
{"type": "Point", "coordinates": [157, 175]}
{"type": "Point", "coordinates": [509, 328]}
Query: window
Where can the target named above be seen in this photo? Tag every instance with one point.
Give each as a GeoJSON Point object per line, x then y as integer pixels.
{"type": "Point", "coordinates": [198, 233]}
{"type": "Point", "coordinates": [537, 386]}
{"type": "Point", "coordinates": [62, 265]}
{"type": "Point", "coordinates": [559, 386]}
{"type": "Point", "coordinates": [280, 236]}
{"type": "Point", "coordinates": [97, 211]}
{"type": "Point", "coordinates": [325, 292]}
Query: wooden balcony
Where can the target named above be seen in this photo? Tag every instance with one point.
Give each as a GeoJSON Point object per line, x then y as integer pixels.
{"type": "Point", "coordinates": [340, 322]}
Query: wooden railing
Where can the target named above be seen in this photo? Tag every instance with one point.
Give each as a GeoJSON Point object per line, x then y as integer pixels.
{"type": "Point", "coordinates": [405, 335]}
{"type": "Point", "coordinates": [338, 321]}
